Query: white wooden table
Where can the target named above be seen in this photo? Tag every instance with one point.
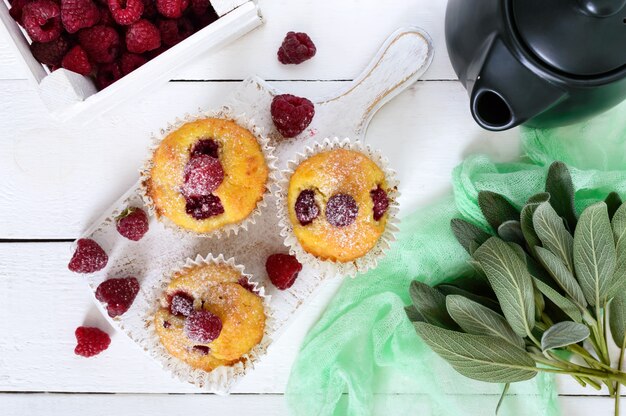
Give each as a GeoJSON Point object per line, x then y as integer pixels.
{"type": "Point", "coordinates": [56, 178]}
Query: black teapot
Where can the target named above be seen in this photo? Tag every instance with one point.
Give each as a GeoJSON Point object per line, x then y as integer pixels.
{"type": "Point", "coordinates": [543, 63]}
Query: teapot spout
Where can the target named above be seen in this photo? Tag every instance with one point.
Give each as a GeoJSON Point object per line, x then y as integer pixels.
{"type": "Point", "coordinates": [505, 93]}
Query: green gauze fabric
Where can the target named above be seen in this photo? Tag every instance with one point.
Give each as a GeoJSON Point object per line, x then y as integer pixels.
{"type": "Point", "coordinates": [364, 347]}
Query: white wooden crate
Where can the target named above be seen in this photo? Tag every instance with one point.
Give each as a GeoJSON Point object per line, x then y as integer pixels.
{"type": "Point", "coordinates": [68, 95]}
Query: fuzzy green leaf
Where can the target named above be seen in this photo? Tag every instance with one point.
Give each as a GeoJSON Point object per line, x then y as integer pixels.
{"type": "Point", "coordinates": [563, 334]}
{"type": "Point", "coordinates": [413, 314]}
{"type": "Point", "coordinates": [430, 304]}
{"type": "Point", "coordinates": [561, 189]}
{"type": "Point", "coordinates": [553, 234]}
{"type": "Point", "coordinates": [617, 318]}
{"type": "Point", "coordinates": [594, 254]}
{"type": "Point", "coordinates": [618, 224]}
{"type": "Point", "coordinates": [511, 231]}
{"type": "Point", "coordinates": [477, 319]}
{"type": "Point", "coordinates": [480, 357]}
{"type": "Point", "coordinates": [448, 289]}
{"type": "Point", "coordinates": [560, 301]}
{"type": "Point", "coordinates": [496, 209]}
{"type": "Point", "coordinates": [613, 202]}
{"type": "Point", "coordinates": [526, 219]}
{"type": "Point", "coordinates": [511, 282]}
{"type": "Point", "coordinates": [562, 276]}
{"type": "Point", "coordinates": [467, 233]}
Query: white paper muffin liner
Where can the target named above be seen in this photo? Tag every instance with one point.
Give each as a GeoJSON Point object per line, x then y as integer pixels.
{"type": "Point", "coordinates": [329, 267]}
{"type": "Point", "coordinates": [221, 379]}
{"type": "Point", "coordinates": [224, 113]}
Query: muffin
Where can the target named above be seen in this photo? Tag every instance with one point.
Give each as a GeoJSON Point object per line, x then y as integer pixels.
{"type": "Point", "coordinates": [338, 204]}
{"type": "Point", "coordinates": [207, 174]}
{"type": "Point", "coordinates": [210, 316]}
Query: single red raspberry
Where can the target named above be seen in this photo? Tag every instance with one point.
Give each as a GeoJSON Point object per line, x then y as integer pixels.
{"type": "Point", "coordinates": [172, 8]}
{"type": "Point", "coordinates": [16, 9]}
{"type": "Point", "coordinates": [79, 14]}
{"type": "Point", "coordinates": [381, 202]}
{"type": "Point", "coordinates": [88, 257]}
{"type": "Point", "coordinates": [142, 36]}
{"type": "Point", "coordinates": [207, 147]}
{"type": "Point", "coordinates": [91, 341]}
{"type": "Point", "coordinates": [50, 53]}
{"type": "Point", "coordinates": [42, 20]}
{"type": "Point", "coordinates": [202, 175]}
{"type": "Point", "coordinates": [306, 208]}
{"type": "Point", "coordinates": [181, 304]}
{"type": "Point", "coordinates": [126, 12]}
{"type": "Point", "coordinates": [107, 75]}
{"type": "Point", "coordinates": [175, 31]}
{"type": "Point", "coordinates": [291, 114]}
{"type": "Point", "coordinates": [131, 61]}
{"type": "Point", "coordinates": [102, 43]}
{"type": "Point", "coordinates": [203, 207]}
{"type": "Point", "coordinates": [296, 48]}
{"type": "Point", "coordinates": [341, 210]}
{"type": "Point", "coordinates": [282, 270]}
{"type": "Point", "coordinates": [132, 223]}
{"type": "Point", "coordinates": [202, 326]}
{"type": "Point", "coordinates": [118, 294]}
{"type": "Point", "coordinates": [77, 61]}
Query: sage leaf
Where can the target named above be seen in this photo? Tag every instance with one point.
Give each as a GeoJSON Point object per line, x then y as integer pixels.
{"type": "Point", "coordinates": [502, 396]}
{"type": "Point", "coordinates": [448, 290]}
{"type": "Point", "coordinates": [520, 252]}
{"type": "Point", "coordinates": [431, 305]}
{"type": "Point", "coordinates": [613, 202]}
{"type": "Point", "coordinates": [496, 209]}
{"type": "Point", "coordinates": [413, 314]}
{"type": "Point", "coordinates": [619, 235]}
{"type": "Point", "coordinates": [553, 234]}
{"type": "Point", "coordinates": [526, 219]}
{"type": "Point", "coordinates": [511, 282]}
{"type": "Point", "coordinates": [479, 357]}
{"type": "Point", "coordinates": [477, 319]}
{"type": "Point", "coordinates": [563, 303]}
{"type": "Point", "coordinates": [594, 254]}
{"type": "Point", "coordinates": [540, 303]}
{"type": "Point", "coordinates": [511, 231]}
{"type": "Point", "coordinates": [539, 198]}
{"type": "Point", "coordinates": [617, 318]}
{"type": "Point", "coordinates": [561, 189]}
{"type": "Point", "coordinates": [562, 276]}
{"type": "Point", "coordinates": [563, 334]}
{"type": "Point", "coordinates": [467, 233]}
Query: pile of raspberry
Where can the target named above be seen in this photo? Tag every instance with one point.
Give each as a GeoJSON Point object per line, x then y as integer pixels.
{"type": "Point", "coordinates": [107, 39]}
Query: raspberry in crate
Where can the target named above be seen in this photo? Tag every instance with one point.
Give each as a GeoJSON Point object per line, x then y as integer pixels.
{"type": "Point", "coordinates": [88, 55]}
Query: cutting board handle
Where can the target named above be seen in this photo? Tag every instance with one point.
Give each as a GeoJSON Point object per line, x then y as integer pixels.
{"type": "Point", "coordinates": [402, 59]}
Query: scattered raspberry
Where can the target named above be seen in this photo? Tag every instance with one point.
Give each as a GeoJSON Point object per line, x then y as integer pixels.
{"type": "Point", "coordinates": [181, 304]}
{"type": "Point", "coordinates": [79, 14]}
{"type": "Point", "coordinates": [50, 53]}
{"type": "Point", "coordinates": [203, 207]}
{"type": "Point", "coordinates": [106, 18]}
{"type": "Point", "coordinates": [202, 326]}
{"type": "Point", "coordinates": [118, 294]}
{"type": "Point", "coordinates": [102, 43]}
{"type": "Point", "coordinates": [132, 223]}
{"type": "Point", "coordinates": [16, 9]}
{"type": "Point", "coordinates": [149, 9]}
{"type": "Point", "coordinates": [341, 210]}
{"type": "Point", "coordinates": [203, 20]}
{"type": "Point", "coordinates": [296, 48]}
{"type": "Point", "coordinates": [88, 257]}
{"type": "Point", "coordinates": [130, 61]}
{"type": "Point", "coordinates": [306, 207]}
{"type": "Point", "coordinates": [126, 12]}
{"type": "Point", "coordinates": [175, 31]}
{"type": "Point", "coordinates": [381, 202]}
{"type": "Point", "coordinates": [202, 175]}
{"type": "Point", "coordinates": [172, 8]}
{"type": "Point", "coordinates": [42, 20]}
{"type": "Point", "coordinates": [291, 114]}
{"type": "Point", "coordinates": [90, 341]}
{"type": "Point", "coordinates": [245, 283]}
{"type": "Point", "coordinates": [107, 75]}
{"type": "Point", "coordinates": [77, 61]}
{"type": "Point", "coordinates": [201, 349]}
{"type": "Point", "coordinates": [142, 36]}
{"type": "Point", "coordinates": [282, 270]}
{"type": "Point", "coordinates": [200, 7]}
{"type": "Point", "coordinates": [207, 147]}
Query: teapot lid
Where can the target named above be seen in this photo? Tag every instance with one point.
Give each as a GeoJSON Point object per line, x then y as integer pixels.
{"type": "Point", "coordinates": [578, 37]}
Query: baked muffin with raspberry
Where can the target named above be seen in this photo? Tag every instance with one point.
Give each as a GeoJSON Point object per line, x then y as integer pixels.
{"type": "Point", "coordinates": [337, 203]}
{"type": "Point", "coordinates": [207, 174]}
{"type": "Point", "coordinates": [209, 316]}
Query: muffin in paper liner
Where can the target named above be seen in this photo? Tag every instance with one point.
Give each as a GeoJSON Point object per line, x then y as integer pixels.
{"type": "Point", "coordinates": [330, 267]}
{"type": "Point", "coordinates": [227, 114]}
{"type": "Point", "coordinates": [221, 379]}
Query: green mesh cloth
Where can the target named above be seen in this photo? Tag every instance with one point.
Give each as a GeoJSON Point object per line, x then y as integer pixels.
{"type": "Point", "coordinates": [364, 347]}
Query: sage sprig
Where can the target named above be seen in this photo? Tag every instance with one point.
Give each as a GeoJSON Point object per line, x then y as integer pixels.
{"type": "Point", "coordinates": [553, 286]}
